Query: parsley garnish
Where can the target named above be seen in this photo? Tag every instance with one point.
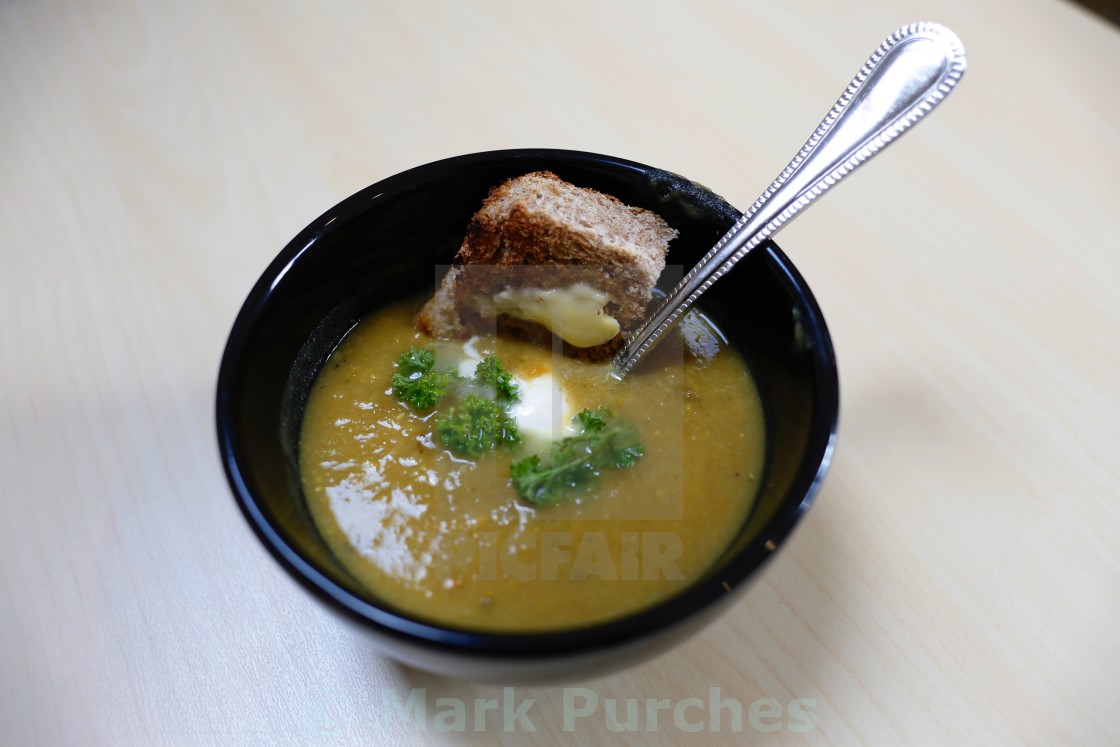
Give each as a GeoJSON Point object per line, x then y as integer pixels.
{"type": "Point", "coordinates": [417, 382]}
{"type": "Point", "coordinates": [491, 373]}
{"type": "Point", "coordinates": [476, 426]}
{"type": "Point", "coordinates": [603, 443]}
{"type": "Point", "coordinates": [416, 360]}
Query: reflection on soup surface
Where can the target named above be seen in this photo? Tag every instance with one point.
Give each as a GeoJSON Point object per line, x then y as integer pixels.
{"type": "Point", "coordinates": [448, 539]}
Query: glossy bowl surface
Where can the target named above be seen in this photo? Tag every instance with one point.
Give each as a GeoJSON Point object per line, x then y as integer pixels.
{"type": "Point", "coordinates": [383, 244]}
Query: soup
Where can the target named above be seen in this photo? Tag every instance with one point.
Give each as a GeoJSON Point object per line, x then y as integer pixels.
{"type": "Point", "coordinates": [448, 539]}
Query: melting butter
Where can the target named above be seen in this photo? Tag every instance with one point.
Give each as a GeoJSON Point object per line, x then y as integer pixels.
{"type": "Point", "coordinates": [575, 314]}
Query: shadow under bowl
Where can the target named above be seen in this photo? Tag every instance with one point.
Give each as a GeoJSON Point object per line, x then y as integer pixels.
{"type": "Point", "coordinates": [382, 245]}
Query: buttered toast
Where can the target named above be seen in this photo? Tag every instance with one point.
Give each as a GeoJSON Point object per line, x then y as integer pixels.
{"type": "Point", "coordinates": [544, 258]}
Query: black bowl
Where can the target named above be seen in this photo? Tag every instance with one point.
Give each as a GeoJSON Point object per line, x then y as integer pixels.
{"type": "Point", "coordinates": [383, 244]}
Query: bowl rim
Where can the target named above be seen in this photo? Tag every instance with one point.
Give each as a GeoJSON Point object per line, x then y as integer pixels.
{"type": "Point", "coordinates": [736, 571]}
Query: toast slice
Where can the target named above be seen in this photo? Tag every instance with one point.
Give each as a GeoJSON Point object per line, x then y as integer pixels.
{"type": "Point", "coordinates": [544, 258]}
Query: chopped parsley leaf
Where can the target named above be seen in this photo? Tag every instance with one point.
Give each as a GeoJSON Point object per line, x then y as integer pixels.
{"type": "Point", "coordinates": [476, 426]}
{"type": "Point", "coordinates": [603, 443]}
{"type": "Point", "coordinates": [491, 373]}
{"type": "Point", "coordinates": [417, 382]}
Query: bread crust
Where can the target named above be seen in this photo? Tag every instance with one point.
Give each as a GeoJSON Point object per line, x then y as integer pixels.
{"type": "Point", "coordinates": [540, 231]}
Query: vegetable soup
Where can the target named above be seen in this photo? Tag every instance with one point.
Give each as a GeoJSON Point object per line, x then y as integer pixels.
{"type": "Point", "coordinates": [495, 485]}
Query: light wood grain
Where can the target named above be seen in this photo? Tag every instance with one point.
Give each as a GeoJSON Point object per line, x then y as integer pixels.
{"type": "Point", "coordinates": [958, 580]}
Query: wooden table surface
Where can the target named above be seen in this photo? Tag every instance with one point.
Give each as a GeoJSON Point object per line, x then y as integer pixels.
{"type": "Point", "coordinates": [957, 581]}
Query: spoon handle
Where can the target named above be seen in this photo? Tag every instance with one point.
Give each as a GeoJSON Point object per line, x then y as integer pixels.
{"type": "Point", "coordinates": [907, 76]}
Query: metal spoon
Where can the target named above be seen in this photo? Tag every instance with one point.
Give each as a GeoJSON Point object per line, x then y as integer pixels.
{"type": "Point", "coordinates": [910, 73]}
